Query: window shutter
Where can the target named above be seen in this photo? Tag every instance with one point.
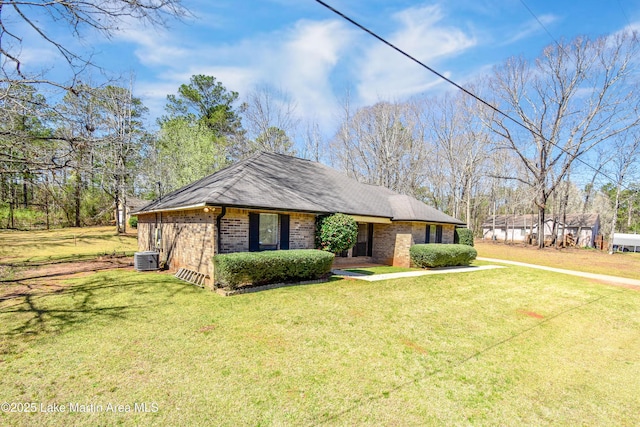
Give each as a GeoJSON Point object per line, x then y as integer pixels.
{"type": "Point", "coordinates": [427, 235]}
{"type": "Point", "coordinates": [284, 232]}
{"type": "Point", "coordinates": [438, 234]}
{"type": "Point", "coordinates": [370, 241]}
{"type": "Point", "coordinates": [254, 232]}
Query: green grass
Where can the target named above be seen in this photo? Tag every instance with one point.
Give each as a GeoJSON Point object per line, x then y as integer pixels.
{"type": "Point", "coordinates": [588, 260]}
{"type": "Point", "coordinates": [511, 346]}
{"type": "Point", "coordinates": [63, 244]}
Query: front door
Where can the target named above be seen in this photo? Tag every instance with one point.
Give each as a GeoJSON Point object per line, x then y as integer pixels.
{"type": "Point", "coordinates": [364, 245]}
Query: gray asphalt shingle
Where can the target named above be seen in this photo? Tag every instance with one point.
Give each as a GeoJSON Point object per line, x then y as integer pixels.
{"type": "Point", "coordinates": [279, 182]}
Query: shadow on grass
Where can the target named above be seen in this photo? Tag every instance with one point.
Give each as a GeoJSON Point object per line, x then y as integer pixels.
{"type": "Point", "coordinates": [360, 271]}
{"type": "Point", "coordinates": [51, 259]}
{"type": "Point", "coordinates": [21, 280]}
{"type": "Point", "coordinates": [38, 309]}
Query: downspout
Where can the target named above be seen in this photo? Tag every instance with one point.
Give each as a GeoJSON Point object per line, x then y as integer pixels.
{"type": "Point", "coordinates": [218, 243]}
{"type": "Point", "coordinates": [159, 247]}
{"type": "Point", "coordinates": [218, 225]}
{"type": "Point", "coordinates": [152, 238]}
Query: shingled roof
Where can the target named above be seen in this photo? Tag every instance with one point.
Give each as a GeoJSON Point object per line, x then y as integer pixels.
{"type": "Point", "coordinates": [278, 182]}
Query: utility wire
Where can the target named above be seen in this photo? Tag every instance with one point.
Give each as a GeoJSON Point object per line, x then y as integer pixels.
{"type": "Point", "coordinates": [471, 94]}
{"type": "Point", "coordinates": [626, 17]}
{"type": "Point", "coordinates": [543, 26]}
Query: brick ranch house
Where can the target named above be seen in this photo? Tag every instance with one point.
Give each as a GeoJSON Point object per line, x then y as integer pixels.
{"type": "Point", "coordinates": [271, 201]}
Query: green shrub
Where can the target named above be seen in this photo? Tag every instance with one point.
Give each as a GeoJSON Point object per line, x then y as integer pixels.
{"type": "Point", "coordinates": [463, 236]}
{"type": "Point", "coordinates": [133, 222]}
{"type": "Point", "coordinates": [438, 255]}
{"type": "Point", "coordinates": [261, 268]}
{"type": "Point", "coordinates": [336, 233]}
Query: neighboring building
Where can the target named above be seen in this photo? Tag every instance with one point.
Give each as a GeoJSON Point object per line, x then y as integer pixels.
{"type": "Point", "coordinates": [133, 204]}
{"type": "Point", "coordinates": [271, 201]}
{"type": "Point", "coordinates": [625, 242]}
{"type": "Point", "coordinates": [582, 229]}
{"type": "Point", "coordinates": [589, 226]}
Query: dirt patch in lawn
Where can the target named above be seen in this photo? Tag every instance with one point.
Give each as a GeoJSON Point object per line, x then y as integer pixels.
{"type": "Point", "coordinates": [531, 314]}
{"type": "Point", "coordinates": [18, 282]}
{"type": "Point", "coordinates": [70, 268]}
{"type": "Point", "coordinates": [412, 345]}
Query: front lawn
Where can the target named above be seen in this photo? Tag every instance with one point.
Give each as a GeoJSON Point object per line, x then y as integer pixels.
{"type": "Point", "coordinates": [499, 347]}
{"type": "Point", "coordinates": [621, 264]}
{"type": "Point", "coordinates": [63, 244]}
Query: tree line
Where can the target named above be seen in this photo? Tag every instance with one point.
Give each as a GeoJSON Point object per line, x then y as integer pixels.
{"type": "Point", "coordinates": [554, 135]}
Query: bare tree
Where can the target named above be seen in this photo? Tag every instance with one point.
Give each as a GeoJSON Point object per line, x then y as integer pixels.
{"type": "Point", "coordinates": [271, 121]}
{"type": "Point", "coordinates": [25, 18]}
{"type": "Point", "coordinates": [623, 163]}
{"type": "Point", "coordinates": [313, 142]}
{"type": "Point", "coordinates": [120, 147]}
{"type": "Point", "coordinates": [463, 144]}
{"type": "Point", "coordinates": [28, 20]}
{"type": "Point", "coordinates": [79, 117]}
{"type": "Point", "coordinates": [381, 145]}
{"type": "Point", "coordinates": [575, 96]}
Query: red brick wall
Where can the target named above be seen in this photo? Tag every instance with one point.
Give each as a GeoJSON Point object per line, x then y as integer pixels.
{"type": "Point", "coordinates": [302, 231]}
{"type": "Point", "coordinates": [391, 242]}
{"type": "Point", "coordinates": [188, 238]}
{"type": "Point", "coordinates": [235, 231]}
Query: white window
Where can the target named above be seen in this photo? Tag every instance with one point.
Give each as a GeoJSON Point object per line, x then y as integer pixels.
{"type": "Point", "coordinates": [268, 231]}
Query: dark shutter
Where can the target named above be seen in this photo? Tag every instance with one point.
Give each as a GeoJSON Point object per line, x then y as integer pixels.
{"type": "Point", "coordinates": [284, 231]}
{"type": "Point", "coordinates": [438, 234]}
{"type": "Point", "coordinates": [427, 235]}
{"type": "Point", "coordinates": [370, 241]}
{"type": "Point", "coordinates": [254, 232]}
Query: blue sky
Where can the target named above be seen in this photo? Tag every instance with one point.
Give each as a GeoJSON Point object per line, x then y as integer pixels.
{"type": "Point", "coordinates": [302, 48]}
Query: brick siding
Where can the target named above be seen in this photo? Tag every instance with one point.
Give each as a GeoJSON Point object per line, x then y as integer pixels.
{"type": "Point", "coordinates": [302, 231]}
{"type": "Point", "coordinates": [189, 237]}
{"type": "Point", "coordinates": [234, 231]}
{"type": "Point", "coordinates": [391, 242]}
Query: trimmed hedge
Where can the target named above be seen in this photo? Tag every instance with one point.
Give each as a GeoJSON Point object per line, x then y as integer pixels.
{"type": "Point", "coordinates": [262, 268]}
{"type": "Point", "coordinates": [439, 255]}
{"type": "Point", "coordinates": [464, 236]}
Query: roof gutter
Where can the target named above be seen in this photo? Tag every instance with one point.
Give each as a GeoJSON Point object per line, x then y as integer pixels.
{"type": "Point", "coordinates": [459, 223]}
{"type": "Point", "coordinates": [371, 219]}
{"type": "Point", "coordinates": [180, 208]}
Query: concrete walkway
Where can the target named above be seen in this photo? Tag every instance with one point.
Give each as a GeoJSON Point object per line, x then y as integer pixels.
{"type": "Point", "coordinates": [387, 276]}
{"type": "Point", "coordinates": [603, 277]}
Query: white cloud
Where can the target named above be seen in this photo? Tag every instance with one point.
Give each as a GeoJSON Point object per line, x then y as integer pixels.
{"type": "Point", "coordinates": [531, 28]}
{"type": "Point", "coordinates": [155, 46]}
{"type": "Point", "coordinates": [386, 73]}
{"type": "Point", "coordinates": [311, 53]}
{"type": "Point", "coordinates": [298, 60]}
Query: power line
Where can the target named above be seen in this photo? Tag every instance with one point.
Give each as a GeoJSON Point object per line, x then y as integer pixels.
{"type": "Point", "coordinates": [543, 26]}
{"type": "Point", "coordinates": [624, 13]}
{"type": "Point", "coordinates": [453, 83]}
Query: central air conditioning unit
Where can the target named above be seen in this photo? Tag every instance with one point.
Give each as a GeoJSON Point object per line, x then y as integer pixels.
{"type": "Point", "coordinates": [146, 261]}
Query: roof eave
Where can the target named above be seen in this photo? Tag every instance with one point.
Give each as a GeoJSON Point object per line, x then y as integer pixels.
{"type": "Point", "coordinates": [430, 221]}
{"type": "Point", "coordinates": [177, 208]}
